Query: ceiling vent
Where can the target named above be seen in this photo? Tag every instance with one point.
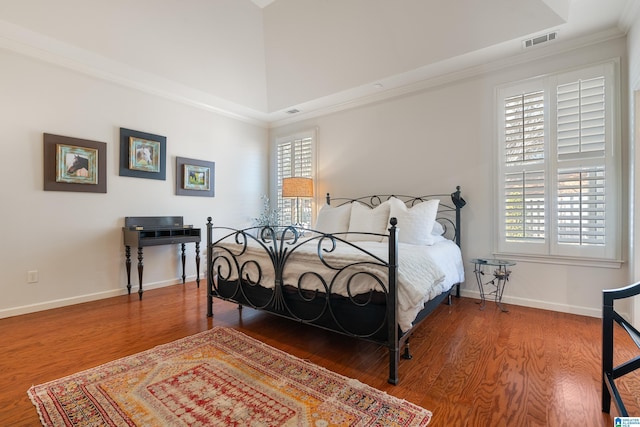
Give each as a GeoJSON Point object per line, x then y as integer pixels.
{"type": "Point", "coordinates": [540, 39]}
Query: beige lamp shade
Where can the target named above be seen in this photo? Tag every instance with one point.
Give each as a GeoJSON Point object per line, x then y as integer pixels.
{"type": "Point", "coordinates": [297, 187]}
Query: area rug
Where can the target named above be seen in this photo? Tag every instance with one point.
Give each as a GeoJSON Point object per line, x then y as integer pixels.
{"type": "Point", "coordinates": [220, 377]}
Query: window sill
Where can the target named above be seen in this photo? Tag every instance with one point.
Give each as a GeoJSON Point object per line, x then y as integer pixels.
{"type": "Point", "coordinates": [547, 259]}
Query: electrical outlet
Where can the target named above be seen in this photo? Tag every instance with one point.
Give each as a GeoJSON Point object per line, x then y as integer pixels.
{"type": "Point", "coordinates": [32, 276]}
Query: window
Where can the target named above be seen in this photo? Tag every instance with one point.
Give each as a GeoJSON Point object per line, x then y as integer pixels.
{"type": "Point", "coordinates": [558, 166]}
{"type": "Point", "coordinates": [295, 157]}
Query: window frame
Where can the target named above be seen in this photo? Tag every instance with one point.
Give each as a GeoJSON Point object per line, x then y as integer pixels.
{"type": "Point", "coordinates": [550, 249]}
{"type": "Point", "coordinates": [275, 185]}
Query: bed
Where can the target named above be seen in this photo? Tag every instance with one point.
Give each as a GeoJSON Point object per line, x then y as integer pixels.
{"type": "Point", "coordinates": [372, 267]}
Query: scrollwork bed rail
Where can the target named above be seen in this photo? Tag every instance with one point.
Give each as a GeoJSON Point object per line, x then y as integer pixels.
{"type": "Point", "coordinates": [322, 279]}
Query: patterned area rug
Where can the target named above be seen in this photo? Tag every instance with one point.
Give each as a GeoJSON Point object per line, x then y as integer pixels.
{"type": "Point", "coordinates": [220, 377]}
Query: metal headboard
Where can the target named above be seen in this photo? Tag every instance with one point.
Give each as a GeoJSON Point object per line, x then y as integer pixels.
{"type": "Point", "coordinates": [448, 212]}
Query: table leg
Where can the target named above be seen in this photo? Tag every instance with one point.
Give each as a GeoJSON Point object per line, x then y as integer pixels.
{"type": "Point", "coordinates": [198, 264]}
{"type": "Point", "coordinates": [183, 260]}
{"type": "Point", "coordinates": [127, 263]}
{"type": "Point", "coordinates": [502, 277]}
{"type": "Point", "coordinates": [478, 271]}
{"type": "Point", "coordinates": [140, 268]}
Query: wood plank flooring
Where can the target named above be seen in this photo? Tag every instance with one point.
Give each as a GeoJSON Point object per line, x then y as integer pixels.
{"type": "Point", "coordinates": [527, 367]}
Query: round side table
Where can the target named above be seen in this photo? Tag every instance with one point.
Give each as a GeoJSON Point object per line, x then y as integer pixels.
{"type": "Point", "coordinates": [500, 278]}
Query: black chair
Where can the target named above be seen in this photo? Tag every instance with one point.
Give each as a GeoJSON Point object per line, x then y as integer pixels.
{"type": "Point", "coordinates": [609, 372]}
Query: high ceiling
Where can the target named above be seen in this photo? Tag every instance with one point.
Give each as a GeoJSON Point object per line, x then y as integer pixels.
{"type": "Point", "coordinates": [258, 59]}
{"type": "Point", "coordinates": [327, 53]}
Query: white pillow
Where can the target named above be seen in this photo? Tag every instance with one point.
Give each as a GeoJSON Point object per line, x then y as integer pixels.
{"type": "Point", "coordinates": [333, 220]}
{"type": "Point", "coordinates": [415, 223]}
{"type": "Point", "coordinates": [366, 220]}
{"type": "Point", "coordinates": [438, 229]}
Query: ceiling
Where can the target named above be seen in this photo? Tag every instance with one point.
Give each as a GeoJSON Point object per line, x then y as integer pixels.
{"type": "Point", "coordinates": [262, 3]}
{"type": "Point", "coordinates": [256, 60]}
{"type": "Point", "coordinates": [400, 45]}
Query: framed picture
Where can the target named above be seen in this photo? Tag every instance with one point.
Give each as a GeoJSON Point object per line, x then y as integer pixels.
{"type": "Point", "coordinates": [142, 155]}
{"type": "Point", "coordinates": [195, 177]}
{"type": "Point", "coordinates": [76, 164]}
{"type": "Point", "coordinates": [73, 164]}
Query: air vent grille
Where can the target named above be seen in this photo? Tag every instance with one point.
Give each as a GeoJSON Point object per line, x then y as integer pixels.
{"type": "Point", "coordinates": [540, 39]}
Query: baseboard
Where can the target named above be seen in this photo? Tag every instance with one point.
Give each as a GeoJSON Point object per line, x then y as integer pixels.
{"type": "Point", "coordinates": [46, 305]}
{"type": "Point", "coordinates": [544, 305]}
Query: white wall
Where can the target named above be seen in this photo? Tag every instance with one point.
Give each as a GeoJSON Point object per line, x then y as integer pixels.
{"type": "Point", "coordinates": [441, 137]}
{"type": "Point", "coordinates": [209, 47]}
{"type": "Point", "coordinates": [633, 47]}
{"type": "Point", "coordinates": [408, 144]}
{"type": "Point", "coordinates": [74, 240]}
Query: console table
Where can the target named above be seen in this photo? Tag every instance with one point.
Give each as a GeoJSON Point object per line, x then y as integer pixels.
{"type": "Point", "coordinates": [144, 231]}
{"type": "Point", "coordinates": [500, 278]}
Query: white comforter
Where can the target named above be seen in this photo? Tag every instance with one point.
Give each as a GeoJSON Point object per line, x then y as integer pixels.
{"type": "Point", "coordinates": [424, 272]}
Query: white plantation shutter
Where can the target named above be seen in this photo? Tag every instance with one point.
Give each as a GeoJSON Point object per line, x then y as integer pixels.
{"type": "Point", "coordinates": [581, 119]}
{"type": "Point", "coordinates": [523, 181]}
{"type": "Point", "coordinates": [295, 157]}
{"type": "Point", "coordinates": [581, 207]}
{"type": "Point", "coordinates": [524, 206]}
{"type": "Point", "coordinates": [581, 184]}
{"type": "Point", "coordinates": [524, 129]}
{"type": "Point", "coordinates": [284, 153]}
{"type": "Point", "coordinates": [558, 168]}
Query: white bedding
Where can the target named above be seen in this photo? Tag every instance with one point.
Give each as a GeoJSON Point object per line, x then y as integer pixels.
{"type": "Point", "coordinates": [424, 272]}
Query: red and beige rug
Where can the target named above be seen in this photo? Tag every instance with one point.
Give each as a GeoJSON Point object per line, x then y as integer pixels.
{"type": "Point", "coordinates": [220, 377]}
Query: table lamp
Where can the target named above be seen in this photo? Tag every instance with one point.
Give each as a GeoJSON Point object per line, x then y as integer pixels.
{"type": "Point", "coordinates": [297, 187]}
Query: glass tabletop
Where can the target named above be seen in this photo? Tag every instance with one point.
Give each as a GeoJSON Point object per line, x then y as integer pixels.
{"type": "Point", "coordinates": [492, 261]}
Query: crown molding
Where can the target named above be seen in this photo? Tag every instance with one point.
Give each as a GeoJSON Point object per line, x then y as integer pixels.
{"type": "Point", "coordinates": [38, 46]}
{"type": "Point", "coordinates": [35, 45]}
{"type": "Point", "coordinates": [448, 72]}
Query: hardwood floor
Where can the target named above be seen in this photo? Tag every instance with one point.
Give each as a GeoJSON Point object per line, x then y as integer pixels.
{"type": "Point", "coordinates": [527, 367]}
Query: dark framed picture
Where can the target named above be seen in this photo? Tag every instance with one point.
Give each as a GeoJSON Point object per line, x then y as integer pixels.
{"type": "Point", "coordinates": [73, 164]}
{"type": "Point", "coordinates": [195, 177]}
{"type": "Point", "coordinates": [142, 155]}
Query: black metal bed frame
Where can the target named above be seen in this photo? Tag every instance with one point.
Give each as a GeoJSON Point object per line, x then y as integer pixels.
{"type": "Point", "coordinates": [371, 317]}
{"type": "Point", "coordinates": [610, 373]}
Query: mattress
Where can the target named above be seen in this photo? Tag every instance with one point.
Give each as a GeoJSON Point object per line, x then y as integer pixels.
{"type": "Point", "coordinates": [347, 269]}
